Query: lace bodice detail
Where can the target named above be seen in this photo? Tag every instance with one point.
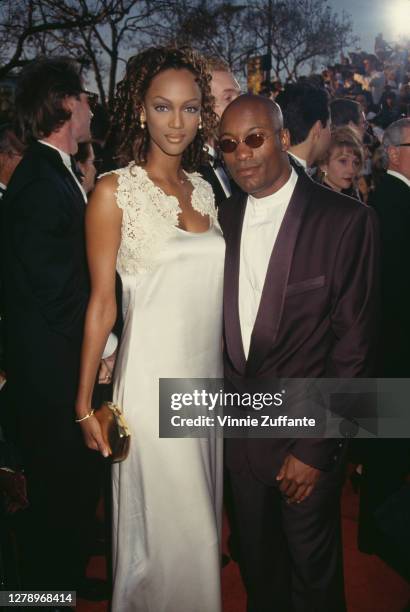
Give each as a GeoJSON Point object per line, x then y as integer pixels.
{"type": "Point", "coordinates": [150, 216]}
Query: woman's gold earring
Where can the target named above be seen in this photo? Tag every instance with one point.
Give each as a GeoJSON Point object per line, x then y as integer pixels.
{"type": "Point", "coordinates": [200, 123]}
{"type": "Point", "coordinates": [142, 122]}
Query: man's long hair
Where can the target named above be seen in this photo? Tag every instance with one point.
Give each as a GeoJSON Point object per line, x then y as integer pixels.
{"type": "Point", "coordinates": [41, 89]}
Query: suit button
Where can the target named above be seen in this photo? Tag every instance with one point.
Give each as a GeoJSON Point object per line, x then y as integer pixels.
{"type": "Point", "coordinates": [336, 457]}
{"type": "Point", "coordinates": [340, 444]}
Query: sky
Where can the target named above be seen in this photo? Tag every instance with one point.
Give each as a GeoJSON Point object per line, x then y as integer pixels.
{"type": "Point", "coordinates": [391, 17]}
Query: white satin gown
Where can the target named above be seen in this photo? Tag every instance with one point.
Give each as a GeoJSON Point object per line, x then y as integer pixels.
{"type": "Point", "coordinates": [167, 495]}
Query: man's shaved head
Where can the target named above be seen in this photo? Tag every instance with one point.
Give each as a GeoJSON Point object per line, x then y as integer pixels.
{"type": "Point", "coordinates": [260, 104]}
{"type": "Point", "coordinates": [262, 168]}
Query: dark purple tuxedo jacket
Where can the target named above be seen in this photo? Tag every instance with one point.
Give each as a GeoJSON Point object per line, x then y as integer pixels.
{"type": "Point", "coordinates": [317, 315]}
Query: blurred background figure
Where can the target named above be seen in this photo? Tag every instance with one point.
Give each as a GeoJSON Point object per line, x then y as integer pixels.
{"type": "Point", "coordinates": [85, 159]}
{"type": "Point", "coordinates": [224, 88]}
{"type": "Point", "coordinates": [364, 185]}
{"type": "Point", "coordinates": [45, 285]}
{"type": "Point", "coordinates": [390, 110]}
{"type": "Point", "coordinates": [306, 115]}
{"type": "Point", "coordinates": [346, 112]}
{"type": "Point", "coordinates": [385, 496]}
{"type": "Point", "coordinates": [373, 80]}
{"type": "Point", "coordinates": [271, 90]}
{"type": "Point", "coordinates": [340, 167]}
{"type": "Point", "coordinates": [11, 152]}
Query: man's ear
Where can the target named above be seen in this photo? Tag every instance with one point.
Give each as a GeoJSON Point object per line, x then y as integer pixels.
{"type": "Point", "coordinates": [315, 131]}
{"type": "Point", "coordinates": [69, 103]}
{"type": "Point", "coordinates": [393, 153]}
{"type": "Point", "coordinates": [284, 139]}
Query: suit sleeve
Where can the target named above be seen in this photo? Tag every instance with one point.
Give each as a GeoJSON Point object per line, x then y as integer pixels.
{"type": "Point", "coordinates": [356, 299]}
{"type": "Point", "coordinates": [46, 243]}
{"type": "Point", "coordinates": [354, 320]}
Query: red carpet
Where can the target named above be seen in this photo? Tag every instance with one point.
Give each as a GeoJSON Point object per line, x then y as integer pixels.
{"type": "Point", "coordinates": [371, 586]}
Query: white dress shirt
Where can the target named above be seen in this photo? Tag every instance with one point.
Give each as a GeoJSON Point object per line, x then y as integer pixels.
{"type": "Point", "coordinates": [399, 176]}
{"type": "Point", "coordinates": [301, 162]}
{"type": "Point", "coordinates": [262, 220]}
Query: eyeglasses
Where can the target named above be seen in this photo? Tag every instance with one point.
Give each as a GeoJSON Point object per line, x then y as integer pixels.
{"type": "Point", "coordinates": [403, 144]}
{"type": "Point", "coordinates": [254, 141]}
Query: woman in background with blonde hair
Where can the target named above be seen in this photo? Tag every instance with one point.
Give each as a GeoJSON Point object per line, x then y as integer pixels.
{"type": "Point", "coordinates": [339, 169]}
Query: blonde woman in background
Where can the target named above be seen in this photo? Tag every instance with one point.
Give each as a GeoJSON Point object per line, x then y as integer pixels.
{"type": "Point", "coordinates": [342, 164]}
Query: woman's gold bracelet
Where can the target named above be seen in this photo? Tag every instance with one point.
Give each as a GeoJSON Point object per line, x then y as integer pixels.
{"type": "Point", "coordinates": [87, 416]}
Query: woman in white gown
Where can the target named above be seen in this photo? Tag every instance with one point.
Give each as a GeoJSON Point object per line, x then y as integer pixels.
{"type": "Point", "coordinates": [154, 221]}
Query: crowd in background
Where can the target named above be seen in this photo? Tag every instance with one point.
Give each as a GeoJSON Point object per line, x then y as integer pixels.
{"type": "Point", "coordinates": [380, 84]}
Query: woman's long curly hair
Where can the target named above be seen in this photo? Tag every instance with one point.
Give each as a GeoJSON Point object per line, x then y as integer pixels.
{"type": "Point", "coordinates": [132, 140]}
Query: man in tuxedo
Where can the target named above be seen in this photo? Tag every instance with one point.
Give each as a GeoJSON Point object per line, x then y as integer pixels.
{"type": "Point", "coordinates": [299, 302]}
{"type": "Point", "coordinates": [387, 462]}
{"type": "Point", "coordinates": [306, 116]}
{"type": "Point", "coordinates": [391, 200]}
{"type": "Point", "coordinates": [224, 88]}
{"type": "Point", "coordinates": [46, 288]}
{"type": "Point", "coordinates": [11, 151]}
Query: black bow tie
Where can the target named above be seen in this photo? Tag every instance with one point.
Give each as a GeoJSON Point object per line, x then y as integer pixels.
{"type": "Point", "coordinates": [76, 170]}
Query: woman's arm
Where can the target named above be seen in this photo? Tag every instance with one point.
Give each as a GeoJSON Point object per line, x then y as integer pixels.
{"type": "Point", "coordinates": [103, 235]}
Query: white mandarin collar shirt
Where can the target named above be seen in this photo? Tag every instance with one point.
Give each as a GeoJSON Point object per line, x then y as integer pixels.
{"type": "Point", "coordinates": [67, 162]}
{"type": "Point", "coordinates": [262, 220]}
{"type": "Point", "coordinates": [399, 176]}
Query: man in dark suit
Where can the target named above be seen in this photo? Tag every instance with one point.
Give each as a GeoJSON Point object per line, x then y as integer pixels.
{"type": "Point", "coordinates": [11, 151]}
{"type": "Point", "coordinates": [387, 462]}
{"type": "Point", "coordinates": [224, 88]}
{"type": "Point", "coordinates": [46, 288]}
{"type": "Point", "coordinates": [306, 116]}
{"type": "Point", "coordinates": [300, 302]}
{"type": "Point", "coordinates": [391, 200]}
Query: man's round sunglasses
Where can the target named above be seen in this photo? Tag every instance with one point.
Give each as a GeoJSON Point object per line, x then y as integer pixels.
{"type": "Point", "coordinates": [254, 141]}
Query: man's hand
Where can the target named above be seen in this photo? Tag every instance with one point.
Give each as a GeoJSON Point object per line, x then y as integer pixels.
{"type": "Point", "coordinates": [297, 480]}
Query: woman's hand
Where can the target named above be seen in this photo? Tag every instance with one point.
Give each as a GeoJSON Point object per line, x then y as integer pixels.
{"type": "Point", "coordinates": [93, 436]}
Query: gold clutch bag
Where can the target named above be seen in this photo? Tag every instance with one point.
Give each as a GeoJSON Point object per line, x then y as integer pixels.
{"type": "Point", "coordinates": [114, 429]}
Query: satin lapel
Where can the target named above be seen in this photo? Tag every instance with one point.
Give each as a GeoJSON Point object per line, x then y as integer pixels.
{"type": "Point", "coordinates": [233, 336]}
{"type": "Point", "coordinates": [273, 294]}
